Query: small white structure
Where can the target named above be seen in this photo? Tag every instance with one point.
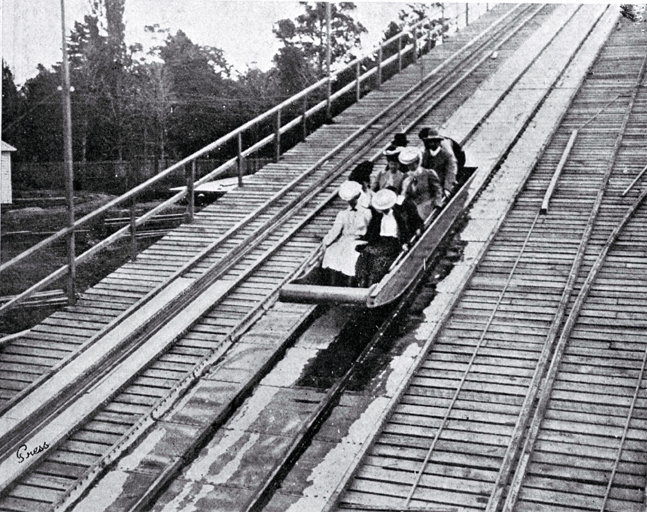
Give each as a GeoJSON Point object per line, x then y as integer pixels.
{"type": "Point", "coordinates": [6, 196]}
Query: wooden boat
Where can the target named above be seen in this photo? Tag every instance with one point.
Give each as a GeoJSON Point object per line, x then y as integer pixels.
{"type": "Point", "coordinates": [405, 271]}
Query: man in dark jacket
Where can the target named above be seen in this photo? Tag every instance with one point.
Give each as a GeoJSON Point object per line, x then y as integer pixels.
{"type": "Point", "coordinates": [440, 159]}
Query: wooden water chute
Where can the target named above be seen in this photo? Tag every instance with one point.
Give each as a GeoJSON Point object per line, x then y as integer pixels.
{"type": "Point", "coordinates": [405, 271]}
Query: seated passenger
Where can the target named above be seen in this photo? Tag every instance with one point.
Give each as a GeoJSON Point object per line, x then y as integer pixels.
{"type": "Point", "coordinates": [387, 234]}
{"type": "Point", "coordinates": [362, 175]}
{"type": "Point", "coordinates": [350, 225]}
{"type": "Point", "coordinates": [418, 184]}
{"type": "Point", "coordinates": [440, 160]}
{"type": "Point", "coordinates": [409, 212]}
{"type": "Point", "coordinates": [390, 176]}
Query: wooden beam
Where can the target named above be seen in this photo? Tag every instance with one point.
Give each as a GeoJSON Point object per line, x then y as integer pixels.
{"type": "Point", "coordinates": [558, 172]}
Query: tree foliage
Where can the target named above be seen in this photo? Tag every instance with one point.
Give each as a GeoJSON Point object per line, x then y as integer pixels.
{"type": "Point", "coordinates": [12, 107]}
{"type": "Point", "coordinates": [128, 105]}
{"type": "Point", "coordinates": [303, 55]}
{"type": "Point", "coordinates": [633, 12]}
{"type": "Point", "coordinates": [426, 35]}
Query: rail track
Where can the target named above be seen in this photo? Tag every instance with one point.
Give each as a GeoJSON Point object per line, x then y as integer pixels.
{"type": "Point", "coordinates": [532, 394]}
{"type": "Point", "coordinates": [238, 302]}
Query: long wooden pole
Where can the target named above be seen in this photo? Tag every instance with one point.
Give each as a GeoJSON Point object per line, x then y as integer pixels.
{"type": "Point", "coordinates": [69, 168]}
{"type": "Point", "coordinates": [329, 86]}
{"type": "Point", "coordinates": [190, 187]}
{"type": "Point", "coordinates": [640, 175]}
{"type": "Point", "coordinates": [558, 171]}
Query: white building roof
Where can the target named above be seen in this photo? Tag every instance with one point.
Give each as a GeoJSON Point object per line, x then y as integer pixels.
{"type": "Point", "coordinates": [7, 147]}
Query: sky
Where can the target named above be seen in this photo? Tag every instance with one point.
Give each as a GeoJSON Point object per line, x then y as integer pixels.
{"type": "Point", "coordinates": [31, 29]}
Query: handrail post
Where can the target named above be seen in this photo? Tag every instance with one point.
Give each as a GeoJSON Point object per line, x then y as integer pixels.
{"type": "Point", "coordinates": [399, 54]}
{"type": "Point", "coordinates": [467, 14]}
{"type": "Point", "coordinates": [328, 95]}
{"type": "Point", "coordinates": [358, 85]}
{"type": "Point", "coordinates": [133, 214]}
{"type": "Point", "coordinates": [277, 136]}
{"type": "Point", "coordinates": [422, 65]}
{"type": "Point", "coordinates": [415, 45]}
{"type": "Point", "coordinates": [305, 117]}
{"type": "Point", "coordinates": [190, 189]}
{"type": "Point", "coordinates": [378, 75]}
{"type": "Point", "coordinates": [239, 159]}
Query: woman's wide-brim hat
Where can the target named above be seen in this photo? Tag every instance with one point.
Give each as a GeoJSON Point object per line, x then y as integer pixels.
{"type": "Point", "coordinates": [349, 190]}
{"type": "Point", "coordinates": [392, 153]}
{"type": "Point", "coordinates": [408, 156]}
{"type": "Point", "coordinates": [384, 199]}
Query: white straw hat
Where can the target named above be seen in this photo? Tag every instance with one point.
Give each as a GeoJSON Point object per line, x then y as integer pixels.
{"type": "Point", "coordinates": [349, 190]}
{"type": "Point", "coordinates": [408, 156]}
{"type": "Point", "coordinates": [384, 199]}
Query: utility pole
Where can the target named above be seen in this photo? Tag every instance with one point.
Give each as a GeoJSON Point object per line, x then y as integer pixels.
{"type": "Point", "coordinates": [329, 92]}
{"type": "Point", "coordinates": [69, 168]}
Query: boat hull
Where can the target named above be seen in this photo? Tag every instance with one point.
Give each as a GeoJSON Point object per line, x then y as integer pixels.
{"type": "Point", "coordinates": [406, 271]}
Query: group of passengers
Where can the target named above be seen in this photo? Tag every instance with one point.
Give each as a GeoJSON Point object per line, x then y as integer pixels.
{"type": "Point", "coordinates": [388, 208]}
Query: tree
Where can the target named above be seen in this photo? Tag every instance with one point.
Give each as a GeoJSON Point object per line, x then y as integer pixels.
{"type": "Point", "coordinates": [293, 70]}
{"type": "Point", "coordinates": [426, 35]}
{"type": "Point", "coordinates": [99, 73]}
{"type": "Point", "coordinates": [305, 39]}
{"type": "Point", "coordinates": [200, 93]}
{"type": "Point", "coordinates": [256, 91]}
{"type": "Point", "coordinates": [12, 108]}
{"type": "Point", "coordinates": [42, 124]}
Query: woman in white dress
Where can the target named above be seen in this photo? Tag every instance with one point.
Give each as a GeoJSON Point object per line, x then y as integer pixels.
{"type": "Point", "coordinates": [344, 236]}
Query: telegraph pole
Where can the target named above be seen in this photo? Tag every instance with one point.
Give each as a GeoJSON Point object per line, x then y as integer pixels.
{"type": "Point", "coordinates": [69, 169]}
{"type": "Point", "coordinates": [329, 92]}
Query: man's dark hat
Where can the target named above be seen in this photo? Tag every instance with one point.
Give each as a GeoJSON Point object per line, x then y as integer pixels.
{"type": "Point", "coordinates": [400, 139]}
{"type": "Point", "coordinates": [362, 172]}
{"type": "Point", "coordinates": [428, 133]}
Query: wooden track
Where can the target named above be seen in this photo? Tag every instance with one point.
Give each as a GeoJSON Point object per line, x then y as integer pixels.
{"type": "Point", "coordinates": [195, 488]}
{"type": "Point", "coordinates": [455, 439]}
